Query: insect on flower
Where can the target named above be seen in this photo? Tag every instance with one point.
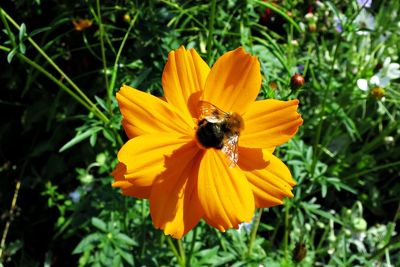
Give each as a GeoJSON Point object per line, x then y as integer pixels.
{"type": "Point", "coordinates": [205, 150]}
{"type": "Point", "coordinates": [220, 130]}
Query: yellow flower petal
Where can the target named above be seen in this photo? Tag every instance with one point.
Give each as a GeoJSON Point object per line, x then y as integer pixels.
{"type": "Point", "coordinates": [270, 123]}
{"type": "Point", "coordinates": [269, 177]}
{"type": "Point", "coordinates": [183, 80]}
{"type": "Point", "coordinates": [146, 114]}
{"type": "Point", "coordinates": [128, 189]}
{"type": "Point", "coordinates": [143, 158]}
{"type": "Point", "coordinates": [234, 81]}
{"type": "Point", "coordinates": [224, 192]}
{"type": "Point", "coordinates": [174, 202]}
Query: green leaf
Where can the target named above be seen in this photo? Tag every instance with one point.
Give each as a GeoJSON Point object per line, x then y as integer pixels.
{"type": "Point", "coordinates": [37, 31]}
{"type": "Point", "coordinates": [11, 55]}
{"type": "Point", "coordinates": [117, 261]}
{"type": "Point", "coordinates": [207, 256]}
{"type": "Point", "coordinates": [109, 135]}
{"type": "Point", "coordinates": [93, 139]}
{"type": "Point", "coordinates": [326, 215]}
{"type": "Point", "coordinates": [127, 256]}
{"type": "Point", "coordinates": [79, 138]}
{"type": "Point", "coordinates": [139, 79]}
{"type": "Point", "coordinates": [87, 243]}
{"type": "Point", "coordinates": [126, 239]}
{"type": "Point", "coordinates": [100, 102]}
{"type": "Point", "coordinates": [22, 32]}
{"type": "Point", "coordinates": [22, 48]}
{"type": "Point", "coordinates": [98, 223]}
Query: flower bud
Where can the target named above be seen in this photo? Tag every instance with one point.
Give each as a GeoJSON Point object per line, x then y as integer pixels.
{"type": "Point", "coordinates": [299, 252]}
{"type": "Point", "coordinates": [359, 224]}
{"type": "Point", "coordinates": [389, 140]}
{"type": "Point", "coordinates": [101, 158]}
{"type": "Point", "coordinates": [86, 179]}
{"type": "Point", "coordinates": [127, 17]}
{"type": "Point", "coordinates": [273, 85]}
{"type": "Point", "coordinates": [347, 232]}
{"type": "Point", "coordinates": [312, 27]}
{"type": "Point", "coordinates": [310, 17]}
{"type": "Point", "coordinates": [297, 81]}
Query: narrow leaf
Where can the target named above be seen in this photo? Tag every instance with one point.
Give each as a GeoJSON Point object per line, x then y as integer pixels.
{"type": "Point", "coordinates": [22, 32]}
{"type": "Point", "coordinates": [99, 224]}
{"type": "Point", "coordinates": [11, 55]}
{"type": "Point", "coordinates": [79, 138]}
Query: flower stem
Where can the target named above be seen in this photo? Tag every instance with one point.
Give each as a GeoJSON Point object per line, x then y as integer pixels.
{"type": "Point", "coordinates": [381, 167]}
{"type": "Point", "coordinates": [182, 252]}
{"type": "Point", "coordinates": [316, 147]}
{"type": "Point", "coordinates": [50, 76]}
{"type": "Point", "coordinates": [191, 246]}
{"type": "Point", "coordinates": [9, 33]}
{"type": "Point", "coordinates": [115, 68]}
{"type": "Point", "coordinates": [253, 234]}
{"type": "Point", "coordinates": [211, 30]}
{"type": "Point", "coordinates": [175, 251]}
{"type": "Point", "coordinates": [12, 209]}
{"type": "Point", "coordinates": [8, 223]}
{"type": "Point", "coordinates": [103, 53]}
{"type": "Point", "coordinates": [97, 112]}
{"type": "Point", "coordinates": [56, 81]}
{"type": "Point", "coordinates": [286, 235]}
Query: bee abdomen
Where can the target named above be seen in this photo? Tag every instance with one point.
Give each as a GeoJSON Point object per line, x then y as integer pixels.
{"type": "Point", "coordinates": [210, 134]}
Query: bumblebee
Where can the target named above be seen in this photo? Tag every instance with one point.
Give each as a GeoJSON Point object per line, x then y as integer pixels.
{"type": "Point", "coordinates": [220, 130]}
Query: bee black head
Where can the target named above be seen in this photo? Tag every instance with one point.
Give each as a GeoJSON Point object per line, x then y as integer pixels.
{"type": "Point", "coordinates": [210, 134]}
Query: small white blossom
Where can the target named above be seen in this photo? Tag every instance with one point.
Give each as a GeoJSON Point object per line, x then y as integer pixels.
{"type": "Point", "coordinates": [365, 85]}
{"type": "Point", "coordinates": [364, 3]}
{"type": "Point", "coordinates": [365, 21]}
{"type": "Point", "coordinates": [75, 196]}
{"type": "Point", "coordinates": [244, 226]}
{"type": "Point", "coordinates": [388, 72]}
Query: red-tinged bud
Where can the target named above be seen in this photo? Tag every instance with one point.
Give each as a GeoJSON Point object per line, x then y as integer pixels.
{"type": "Point", "coordinates": [273, 85]}
{"type": "Point", "coordinates": [299, 252]}
{"type": "Point", "coordinates": [297, 81]}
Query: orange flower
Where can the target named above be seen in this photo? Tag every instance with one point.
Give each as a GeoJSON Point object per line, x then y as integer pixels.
{"type": "Point", "coordinates": [166, 162]}
{"type": "Point", "coordinates": [82, 24]}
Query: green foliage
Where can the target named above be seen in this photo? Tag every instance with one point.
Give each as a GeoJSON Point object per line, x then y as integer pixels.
{"type": "Point", "coordinates": [61, 130]}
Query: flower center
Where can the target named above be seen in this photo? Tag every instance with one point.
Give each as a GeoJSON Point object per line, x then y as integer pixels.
{"type": "Point", "coordinates": [211, 134]}
{"type": "Point", "coordinates": [377, 93]}
{"type": "Point", "coordinates": [215, 133]}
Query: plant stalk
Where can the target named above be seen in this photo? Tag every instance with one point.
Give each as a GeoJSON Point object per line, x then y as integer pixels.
{"type": "Point", "coordinates": [211, 30]}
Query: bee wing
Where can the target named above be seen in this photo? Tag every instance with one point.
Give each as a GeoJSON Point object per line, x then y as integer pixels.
{"type": "Point", "coordinates": [230, 149]}
{"type": "Point", "coordinates": [210, 112]}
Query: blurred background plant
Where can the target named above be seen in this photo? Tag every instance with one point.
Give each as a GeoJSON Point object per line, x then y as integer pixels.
{"type": "Point", "coordinates": [63, 61]}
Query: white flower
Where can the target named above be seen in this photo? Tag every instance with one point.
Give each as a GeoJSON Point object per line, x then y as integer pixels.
{"type": "Point", "coordinates": [364, 3]}
{"type": "Point", "coordinates": [364, 85]}
{"type": "Point", "coordinates": [75, 196]}
{"type": "Point", "coordinates": [246, 226]}
{"type": "Point", "coordinates": [374, 86]}
{"type": "Point", "coordinates": [365, 21]}
{"type": "Point", "coordinates": [389, 71]}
